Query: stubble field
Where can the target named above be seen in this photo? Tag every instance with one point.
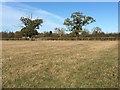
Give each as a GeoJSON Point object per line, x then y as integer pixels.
{"type": "Point", "coordinates": [28, 64]}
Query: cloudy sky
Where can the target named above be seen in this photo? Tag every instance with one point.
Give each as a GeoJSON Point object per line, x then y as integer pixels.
{"type": "Point", "coordinates": [54, 13]}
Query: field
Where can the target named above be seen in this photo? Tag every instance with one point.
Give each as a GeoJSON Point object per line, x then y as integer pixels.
{"type": "Point", "coordinates": [28, 64]}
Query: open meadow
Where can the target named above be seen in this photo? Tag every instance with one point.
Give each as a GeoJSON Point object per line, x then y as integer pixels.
{"type": "Point", "coordinates": [28, 64]}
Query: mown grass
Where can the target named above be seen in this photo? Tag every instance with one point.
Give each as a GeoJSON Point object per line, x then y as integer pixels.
{"type": "Point", "coordinates": [84, 64]}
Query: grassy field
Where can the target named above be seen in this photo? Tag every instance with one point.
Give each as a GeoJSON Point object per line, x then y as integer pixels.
{"type": "Point", "coordinates": [59, 64]}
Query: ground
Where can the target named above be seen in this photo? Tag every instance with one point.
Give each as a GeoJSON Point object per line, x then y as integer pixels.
{"type": "Point", "coordinates": [28, 64]}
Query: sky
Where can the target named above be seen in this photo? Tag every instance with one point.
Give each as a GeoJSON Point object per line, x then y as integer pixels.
{"type": "Point", "coordinates": [60, 0]}
{"type": "Point", "coordinates": [54, 14]}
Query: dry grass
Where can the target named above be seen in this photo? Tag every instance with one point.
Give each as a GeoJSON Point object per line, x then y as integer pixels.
{"type": "Point", "coordinates": [60, 63]}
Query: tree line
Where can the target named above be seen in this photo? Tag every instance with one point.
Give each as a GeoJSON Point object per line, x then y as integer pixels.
{"type": "Point", "coordinates": [74, 25]}
{"type": "Point", "coordinates": [59, 33]}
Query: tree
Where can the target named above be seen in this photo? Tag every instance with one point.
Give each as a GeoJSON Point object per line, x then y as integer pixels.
{"type": "Point", "coordinates": [18, 34]}
{"type": "Point", "coordinates": [85, 33]}
{"type": "Point", "coordinates": [97, 31]}
{"type": "Point", "coordinates": [50, 33]}
{"type": "Point", "coordinates": [76, 22]}
{"type": "Point", "coordinates": [46, 34]}
{"type": "Point", "coordinates": [11, 35]}
{"type": "Point", "coordinates": [5, 35]}
{"type": "Point", "coordinates": [60, 31]}
{"type": "Point", "coordinates": [30, 26]}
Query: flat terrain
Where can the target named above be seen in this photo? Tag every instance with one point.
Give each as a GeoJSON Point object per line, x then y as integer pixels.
{"type": "Point", "coordinates": [59, 64]}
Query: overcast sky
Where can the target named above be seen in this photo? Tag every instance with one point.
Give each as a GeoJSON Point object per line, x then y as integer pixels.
{"type": "Point", "coordinates": [54, 13]}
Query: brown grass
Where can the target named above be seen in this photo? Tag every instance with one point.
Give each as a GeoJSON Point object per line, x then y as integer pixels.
{"type": "Point", "coordinates": [60, 63]}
